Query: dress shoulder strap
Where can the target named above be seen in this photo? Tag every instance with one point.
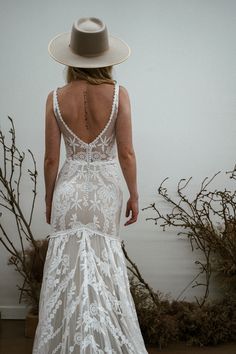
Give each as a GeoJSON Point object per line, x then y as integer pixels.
{"type": "Point", "coordinates": [116, 98]}
{"type": "Point", "coordinates": [55, 107]}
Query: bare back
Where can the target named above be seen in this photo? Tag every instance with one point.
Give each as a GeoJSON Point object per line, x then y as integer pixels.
{"type": "Point", "coordinates": [86, 108]}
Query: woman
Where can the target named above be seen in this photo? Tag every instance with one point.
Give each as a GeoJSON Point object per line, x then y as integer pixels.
{"type": "Point", "coordinates": [85, 303]}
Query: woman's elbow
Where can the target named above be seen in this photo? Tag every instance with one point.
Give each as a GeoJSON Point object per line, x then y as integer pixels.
{"type": "Point", "coordinates": [126, 154]}
{"type": "Point", "coordinates": [50, 161]}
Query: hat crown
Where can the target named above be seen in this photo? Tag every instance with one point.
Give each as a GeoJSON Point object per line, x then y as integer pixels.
{"type": "Point", "coordinates": [89, 37]}
{"type": "Point", "coordinates": [89, 24]}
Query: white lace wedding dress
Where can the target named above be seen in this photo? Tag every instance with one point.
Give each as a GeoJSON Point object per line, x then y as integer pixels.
{"type": "Point", "coordinates": [85, 303]}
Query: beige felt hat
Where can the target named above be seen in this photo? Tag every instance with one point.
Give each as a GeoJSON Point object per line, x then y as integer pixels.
{"type": "Point", "coordinates": [88, 45]}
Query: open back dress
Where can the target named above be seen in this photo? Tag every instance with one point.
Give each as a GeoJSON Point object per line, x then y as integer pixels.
{"type": "Point", "coordinates": [85, 302]}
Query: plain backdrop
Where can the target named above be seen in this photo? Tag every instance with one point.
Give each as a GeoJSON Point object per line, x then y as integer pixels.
{"type": "Point", "coordinates": [181, 78]}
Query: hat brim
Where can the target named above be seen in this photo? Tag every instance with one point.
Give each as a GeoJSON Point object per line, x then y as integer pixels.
{"type": "Point", "coordinates": [60, 51]}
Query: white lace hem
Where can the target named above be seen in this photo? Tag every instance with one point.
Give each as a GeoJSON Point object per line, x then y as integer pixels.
{"type": "Point", "coordinates": [85, 303]}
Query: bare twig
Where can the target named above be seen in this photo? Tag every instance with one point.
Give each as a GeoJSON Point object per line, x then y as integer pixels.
{"type": "Point", "coordinates": [196, 217]}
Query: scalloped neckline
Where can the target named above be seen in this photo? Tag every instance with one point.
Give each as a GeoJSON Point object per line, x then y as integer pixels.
{"type": "Point", "coordinates": [101, 132]}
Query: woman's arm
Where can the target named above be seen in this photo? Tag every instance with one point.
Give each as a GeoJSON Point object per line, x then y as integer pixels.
{"type": "Point", "coordinates": [126, 153]}
{"type": "Point", "coordinates": [52, 154]}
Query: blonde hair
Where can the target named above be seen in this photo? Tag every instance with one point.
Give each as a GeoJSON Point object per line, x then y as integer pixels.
{"type": "Point", "coordinates": [94, 76]}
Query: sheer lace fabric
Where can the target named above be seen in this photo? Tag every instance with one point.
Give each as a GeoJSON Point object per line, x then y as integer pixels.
{"type": "Point", "coordinates": [85, 301]}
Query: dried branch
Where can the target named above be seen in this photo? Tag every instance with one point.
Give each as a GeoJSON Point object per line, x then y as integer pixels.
{"type": "Point", "coordinates": [11, 173]}
{"type": "Point", "coordinates": [135, 271]}
{"type": "Point", "coordinates": [197, 217]}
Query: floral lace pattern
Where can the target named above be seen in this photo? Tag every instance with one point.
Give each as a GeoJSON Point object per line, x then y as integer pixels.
{"type": "Point", "coordinates": [85, 303]}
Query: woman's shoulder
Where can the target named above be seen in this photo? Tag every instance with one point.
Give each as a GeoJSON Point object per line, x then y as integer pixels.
{"type": "Point", "coordinates": [123, 89]}
{"type": "Point", "coordinates": [124, 94]}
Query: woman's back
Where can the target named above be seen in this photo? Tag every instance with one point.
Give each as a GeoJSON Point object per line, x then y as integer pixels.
{"type": "Point", "coordinates": [86, 118]}
{"type": "Point", "coordinates": [85, 107]}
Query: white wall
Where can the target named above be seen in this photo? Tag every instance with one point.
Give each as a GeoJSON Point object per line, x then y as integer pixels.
{"type": "Point", "coordinates": [181, 77]}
